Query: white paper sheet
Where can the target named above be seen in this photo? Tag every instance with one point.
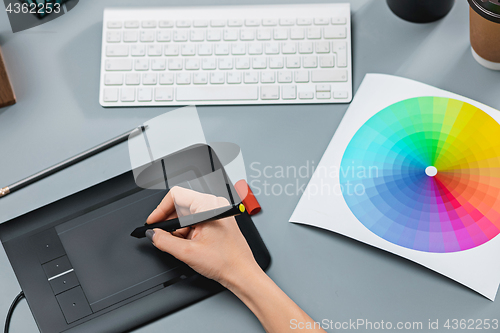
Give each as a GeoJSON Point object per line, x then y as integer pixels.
{"type": "Point", "coordinates": [477, 268]}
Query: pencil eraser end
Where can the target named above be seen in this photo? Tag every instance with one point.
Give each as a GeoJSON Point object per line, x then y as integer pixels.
{"type": "Point", "coordinates": [247, 197]}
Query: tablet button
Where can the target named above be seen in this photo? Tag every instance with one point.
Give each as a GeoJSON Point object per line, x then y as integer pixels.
{"type": "Point", "coordinates": [74, 304]}
{"type": "Point", "coordinates": [64, 282]}
{"type": "Point", "coordinates": [48, 246]}
{"type": "Point", "coordinates": [56, 267]}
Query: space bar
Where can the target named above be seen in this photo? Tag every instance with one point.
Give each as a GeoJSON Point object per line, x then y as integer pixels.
{"type": "Point", "coordinates": [217, 93]}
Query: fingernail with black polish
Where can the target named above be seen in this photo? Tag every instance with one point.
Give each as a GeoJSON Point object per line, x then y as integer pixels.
{"type": "Point", "coordinates": [149, 234]}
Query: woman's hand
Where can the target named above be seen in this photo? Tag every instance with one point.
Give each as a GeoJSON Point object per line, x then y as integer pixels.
{"type": "Point", "coordinates": [215, 249]}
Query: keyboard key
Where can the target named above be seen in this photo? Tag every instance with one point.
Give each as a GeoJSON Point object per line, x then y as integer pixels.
{"type": "Point", "coordinates": [141, 64]}
{"type": "Point", "coordinates": [163, 35]}
{"type": "Point", "coordinates": [285, 76]}
{"type": "Point", "coordinates": [171, 50]}
{"type": "Point", "coordinates": [310, 62]}
{"type": "Point", "coordinates": [225, 63]}
{"type": "Point", "coordinates": [166, 23]}
{"type": "Point", "coordinates": [322, 47]}
{"type": "Point", "coordinates": [114, 24]}
{"type": "Point", "coordinates": [183, 23]}
{"type": "Point", "coordinates": [289, 92]}
{"type": "Point", "coordinates": [242, 63]}
{"type": "Point", "coordinates": [280, 34]}
{"type": "Point", "coordinates": [175, 64]}
{"type": "Point", "coordinates": [144, 94]}
{"type": "Point", "coordinates": [164, 94]}
{"type": "Point", "coordinates": [297, 33]}
{"type": "Point", "coordinates": [180, 35]}
{"type": "Point", "coordinates": [197, 35]}
{"type": "Point", "coordinates": [323, 87]}
{"type": "Point", "coordinates": [138, 50]}
{"type": "Point", "coordinates": [158, 64]}
{"type": "Point", "coordinates": [205, 49]}
{"type": "Point", "coordinates": [329, 75]}
{"type": "Point", "coordinates": [230, 34]}
{"type": "Point", "coordinates": [272, 48]}
{"type": "Point", "coordinates": [149, 24]}
{"type": "Point", "coordinates": [264, 34]}
{"type": "Point", "coordinates": [339, 20]}
{"type": "Point", "coordinates": [183, 78]}
{"type": "Point", "coordinates": [321, 21]}
{"type": "Point", "coordinates": [340, 48]}
{"type": "Point", "coordinates": [313, 33]}
{"type": "Point", "coordinates": [304, 21]}
{"type": "Point", "coordinates": [269, 92]}
{"type": "Point", "coordinates": [305, 47]}
{"type": "Point", "coordinates": [217, 78]}
{"type": "Point", "coordinates": [113, 79]}
{"type": "Point", "coordinates": [188, 49]}
{"type": "Point", "coordinates": [252, 22]}
{"type": "Point", "coordinates": [233, 77]}
{"type": "Point", "coordinates": [255, 48]}
{"type": "Point", "coordinates": [209, 63]}
{"type": "Point", "coordinates": [214, 93]}
{"type": "Point", "coordinates": [287, 21]}
{"type": "Point", "coordinates": [335, 32]}
{"type": "Point", "coordinates": [293, 62]}
{"type": "Point", "coordinates": [147, 36]}
{"type": "Point", "coordinates": [288, 48]}
{"type": "Point", "coordinates": [214, 35]}
{"type": "Point", "coordinates": [247, 34]}
{"type": "Point", "coordinates": [200, 78]}
{"type": "Point", "coordinates": [116, 50]}
{"type": "Point", "coordinates": [130, 36]}
{"type": "Point", "coordinates": [267, 77]}
{"type": "Point", "coordinates": [326, 61]}
{"type": "Point", "coordinates": [238, 49]}
{"type": "Point", "coordinates": [306, 95]}
{"type": "Point", "coordinates": [110, 95]}
{"type": "Point", "coordinates": [301, 76]}
{"type": "Point", "coordinates": [234, 23]}
{"type": "Point", "coordinates": [200, 23]}
{"type": "Point", "coordinates": [192, 64]}
{"type": "Point", "coordinates": [154, 50]}
{"type": "Point", "coordinates": [127, 95]}
{"type": "Point", "coordinates": [323, 95]}
{"type": "Point", "coordinates": [118, 64]}
{"type": "Point", "coordinates": [251, 77]}
{"type": "Point", "coordinates": [259, 62]}
{"type": "Point", "coordinates": [276, 62]}
{"type": "Point", "coordinates": [113, 36]}
{"type": "Point", "coordinates": [340, 94]}
{"type": "Point", "coordinates": [133, 79]}
{"type": "Point", "coordinates": [269, 22]}
{"type": "Point", "coordinates": [167, 78]}
{"type": "Point", "coordinates": [218, 23]}
{"type": "Point", "coordinates": [131, 24]}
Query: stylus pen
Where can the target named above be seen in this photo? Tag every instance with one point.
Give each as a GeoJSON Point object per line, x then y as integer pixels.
{"type": "Point", "coordinates": [190, 220]}
{"type": "Point", "coordinates": [70, 161]}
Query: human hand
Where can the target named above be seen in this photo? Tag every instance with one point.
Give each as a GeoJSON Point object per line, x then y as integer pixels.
{"type": "Point", "coordinates": [215, 249]}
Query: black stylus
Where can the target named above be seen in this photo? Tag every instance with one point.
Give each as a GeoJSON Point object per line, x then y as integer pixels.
{"type": "Point", "coordinates": [189, 220]}
{"type": "Point", "coordinates": [70, 161]}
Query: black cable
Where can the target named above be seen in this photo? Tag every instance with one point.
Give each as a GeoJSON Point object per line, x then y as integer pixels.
{"type": "Point", "coordinates": [11, 310]}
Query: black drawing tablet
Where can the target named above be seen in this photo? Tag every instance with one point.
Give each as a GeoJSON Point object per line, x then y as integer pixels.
{"type": "Point", "coordinates": [81, 270]}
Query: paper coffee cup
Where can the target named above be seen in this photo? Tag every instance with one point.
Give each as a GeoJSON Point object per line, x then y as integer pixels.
{"type": "Point", "coordinates": [485, 32]}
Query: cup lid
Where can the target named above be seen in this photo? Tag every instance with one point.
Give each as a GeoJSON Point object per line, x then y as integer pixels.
{"type": "Point", "coordinates": [489, 9]}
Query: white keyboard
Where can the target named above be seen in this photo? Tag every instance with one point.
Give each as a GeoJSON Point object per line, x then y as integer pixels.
{"type": "Point", "coordinates": [276, 54]}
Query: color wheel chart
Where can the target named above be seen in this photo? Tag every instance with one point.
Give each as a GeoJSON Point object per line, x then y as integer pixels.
{"type": "Point", "coordinates": [424, 173]}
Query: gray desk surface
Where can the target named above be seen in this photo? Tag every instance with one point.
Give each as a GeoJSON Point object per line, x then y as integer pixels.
{"type": "Point", "coordinates": [55, 72]}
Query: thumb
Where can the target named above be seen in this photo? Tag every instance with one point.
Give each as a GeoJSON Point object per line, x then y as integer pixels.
{"type": "Point", "coordinates": [166, 242]}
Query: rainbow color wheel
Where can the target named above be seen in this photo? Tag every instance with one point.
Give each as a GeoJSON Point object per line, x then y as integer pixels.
{"type": "Point", "coordinates": [424, 173]}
